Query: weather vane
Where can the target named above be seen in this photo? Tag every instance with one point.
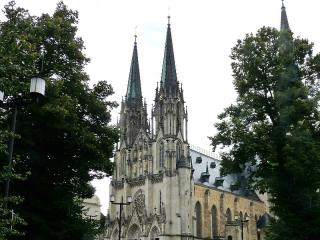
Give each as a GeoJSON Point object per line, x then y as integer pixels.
{"type": "Point", "coordinates": [169, 15]}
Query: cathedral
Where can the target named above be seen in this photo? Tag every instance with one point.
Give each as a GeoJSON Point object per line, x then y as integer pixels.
{"type": "Point", "coordinates": [163, 187]}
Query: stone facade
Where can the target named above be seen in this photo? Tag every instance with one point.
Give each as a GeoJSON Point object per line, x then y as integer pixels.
{"type": "Point", "coordinates": [214, 205]}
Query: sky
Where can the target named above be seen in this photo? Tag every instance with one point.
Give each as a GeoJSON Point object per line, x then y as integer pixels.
{"type": "Point", "coordinates": [203, 33]}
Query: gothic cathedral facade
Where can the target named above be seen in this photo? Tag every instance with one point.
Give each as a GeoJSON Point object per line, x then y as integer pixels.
{"type": "Point", "coordinates": [152, 162]}
{"type": "Point", "coordinates": [176, 190]}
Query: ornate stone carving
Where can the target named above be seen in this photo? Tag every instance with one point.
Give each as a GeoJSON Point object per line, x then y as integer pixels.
{"type": "Point", "coordinates": [137, 181]}
{"type": "Point", "coordinates": [156, 178]}
{"type": "Point", "coordinates": [139, 204]}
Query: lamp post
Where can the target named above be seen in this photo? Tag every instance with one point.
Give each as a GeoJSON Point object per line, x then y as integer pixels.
{"type": "Point", "coordinates": [242, 222]}
{"type": "Point", "coordinates": [129, 201]}
{"type": "Point", "coordinates": [37, 87]}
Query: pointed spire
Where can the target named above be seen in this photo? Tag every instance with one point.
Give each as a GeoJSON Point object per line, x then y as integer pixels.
{"type": "Point", "coordinates": [169, 75]}
{"type": "Point", "coordinates": [134, 84]}
{"type": "Point", "coordinates": [284, 25]}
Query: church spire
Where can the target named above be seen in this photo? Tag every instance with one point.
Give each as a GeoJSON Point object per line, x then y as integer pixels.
{"type": "Point", "coordinates": [169, 75]}
{"type": "Point", "coordinates": [284, 25]}
{"type": "Point", "coordinates": [134, 84]}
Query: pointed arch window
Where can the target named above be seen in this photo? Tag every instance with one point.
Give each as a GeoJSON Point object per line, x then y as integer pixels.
{"type": "Point", "coordinates": [178, 152]}
{"type": "Point", "coordinates": [214, 221]}
{"type": "Point", "coordinates": [206, 199]}
{"type": "Point", "coordinates": [197, 211]}
{"type": "Point", "coordinates": [161, 155]}
{"type": "Point", "coordinates": [228, 215]}
{"type": "Point", "coordinates": [123, 164]}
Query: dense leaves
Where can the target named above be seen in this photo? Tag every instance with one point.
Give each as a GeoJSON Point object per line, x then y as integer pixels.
{"type": "Point", "coordinates": [274, 127]}
{"type": "Point", "coordinates": [65, 137]}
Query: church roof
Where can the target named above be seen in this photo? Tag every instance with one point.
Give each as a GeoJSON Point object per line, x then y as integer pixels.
{"type": "Point", "coordinates": [134, 83]}
{"type": "Point", "coordinates": [169, 75]}
{"type": "Point", "coordinates": [206, 168]}
{"type": "Point", "coordinates": [284, 25]}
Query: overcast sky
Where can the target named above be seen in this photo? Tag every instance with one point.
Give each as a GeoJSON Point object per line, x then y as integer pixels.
{"type": "Point", "coordinates": [203, 32]}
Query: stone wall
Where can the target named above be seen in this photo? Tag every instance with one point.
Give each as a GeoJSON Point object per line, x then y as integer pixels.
{"type": "Point", "coordinates": [212, 198]}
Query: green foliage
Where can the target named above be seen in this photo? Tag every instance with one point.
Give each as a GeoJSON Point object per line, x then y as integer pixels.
{"type": "Point", "coordinates": [9, 219]}
{"type": "Point", "coordinates": [65, 137]}
{"type": "Point", "coordinates": [274, 126]}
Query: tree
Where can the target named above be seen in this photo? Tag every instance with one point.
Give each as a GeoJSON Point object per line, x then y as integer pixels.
{"type": "Point", "coordinates": [65, 138]}
{"type": "Point", "coordinates": [274, 128]}
{"type": "Point", "coordinates": [6, 215]}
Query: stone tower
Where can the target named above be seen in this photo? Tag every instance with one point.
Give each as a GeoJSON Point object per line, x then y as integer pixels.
{"type": "Point", "coordinates": [153, 163]}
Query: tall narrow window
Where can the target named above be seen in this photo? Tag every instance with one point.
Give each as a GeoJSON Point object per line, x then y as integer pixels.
{"type": "Point", "coordinates": [228, 215]}
{"type": "Point", "coordinates": [123, 164]}
{"type": "Point", "coordinates": [214, 221]}
{"type": "Point", "coordinates": [178, 152]}
{"type": "Point", "coordinates": [206, 199]}
{"type": "Point", "coordinates": [197, 211]}
{"type": "Point", "coordinates": [161, 153]}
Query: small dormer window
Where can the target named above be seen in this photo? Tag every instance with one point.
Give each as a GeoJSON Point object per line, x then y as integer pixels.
{"type": "Point", "coordinates": [213, 165]}
{"type": "Point", "coordinates": [218, 182]}
{"type": "Point", "coordinates": [199, 159]}
{"type": "Point", "coordinates": [234, 187]}
{"type": "Point", "coordinates": [204, 177]}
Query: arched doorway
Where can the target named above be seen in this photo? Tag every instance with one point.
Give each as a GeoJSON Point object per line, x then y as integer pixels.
{"type": "Point", "coordinates": [133, 233]}
{"type": "Point", "coordinates": [154, 233]}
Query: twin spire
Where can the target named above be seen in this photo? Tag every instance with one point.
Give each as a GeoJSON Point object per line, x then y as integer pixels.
{"type": "Point", "coordinates": [168, 77]}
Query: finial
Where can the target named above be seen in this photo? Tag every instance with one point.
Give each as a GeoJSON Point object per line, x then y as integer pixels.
{"type": "Point", "coordinates": [282, 3]}
{"type": "Point", "coordinates": [135, 34]}
{"type": "Point", "coordinates": [169, 15]}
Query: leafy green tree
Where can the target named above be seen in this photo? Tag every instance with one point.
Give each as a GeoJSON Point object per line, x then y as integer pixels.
{"type": "Point", "coordinates": [273, 128]}
{"type": "Point", "coordinates": [9, 219]}
{"type": "Point", "coordinates": [65, 137]}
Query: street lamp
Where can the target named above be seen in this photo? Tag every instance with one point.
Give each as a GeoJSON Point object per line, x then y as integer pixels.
{"type": "Point", "coordinates": [242, 222]}
{"type": "Point", "coordinates": [37, 87]}
{"type": "Point", "coordinates": [129, 201]}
